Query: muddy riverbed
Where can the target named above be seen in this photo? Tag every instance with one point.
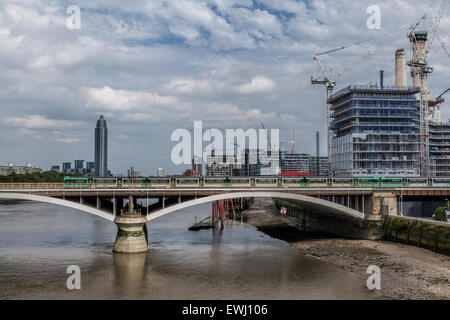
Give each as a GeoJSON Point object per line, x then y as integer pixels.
{"type": "Point", "coordinates": [407, 272]}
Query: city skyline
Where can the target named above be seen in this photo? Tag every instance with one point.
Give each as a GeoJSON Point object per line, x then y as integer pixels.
{"type": "Point", "coordinates": [231, 66]}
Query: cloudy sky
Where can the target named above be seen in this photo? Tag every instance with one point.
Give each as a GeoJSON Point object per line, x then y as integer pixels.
{"type": "Point", "coordinates": [154, 66]}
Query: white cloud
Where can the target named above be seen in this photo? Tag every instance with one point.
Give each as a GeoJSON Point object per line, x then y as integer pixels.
{"type": "Point", "coordinates": [40, 122]}
{"type": "Point", "coordinates": [258, 84]}
{"type": "Point", "coordinates": [80, 51]}
{"type": "Point", "coordinates": [125, 100]}
{"type": "Point", "coordinates": [187, 86]}
{"type": "Point", "coordinates": [68, 140]}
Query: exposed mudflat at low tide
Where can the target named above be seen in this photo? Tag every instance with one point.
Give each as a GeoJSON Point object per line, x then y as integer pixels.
{"type": "Point", "coordinates": [407, 272]}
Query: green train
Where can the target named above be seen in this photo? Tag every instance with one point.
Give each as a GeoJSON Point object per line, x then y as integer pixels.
{"type": "Point", "coordinates": [253, 182]}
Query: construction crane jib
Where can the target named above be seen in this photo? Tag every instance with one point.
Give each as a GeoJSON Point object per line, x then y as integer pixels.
{"type": "Point", "coordinates": [329, 84]}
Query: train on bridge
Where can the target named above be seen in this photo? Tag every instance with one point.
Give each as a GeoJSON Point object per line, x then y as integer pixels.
{"type": "Point", "coordinates": [252, 182]}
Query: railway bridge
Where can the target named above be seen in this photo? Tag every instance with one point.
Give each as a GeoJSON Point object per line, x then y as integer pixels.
{"type": "Point", "coordinates": [344, 211]}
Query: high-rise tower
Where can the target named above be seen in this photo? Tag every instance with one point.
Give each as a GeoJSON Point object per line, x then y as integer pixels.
{"type": "Point", "coordinates": [101, 148]}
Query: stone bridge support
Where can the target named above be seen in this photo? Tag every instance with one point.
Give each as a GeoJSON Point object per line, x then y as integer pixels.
{"type": "Point", "coordinates": [384, 203]}
{"type": "Point", "coordinates": [131, 234]}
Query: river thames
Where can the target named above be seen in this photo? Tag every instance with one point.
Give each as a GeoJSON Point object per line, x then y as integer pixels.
{"type": "Point", "coordinates": [39, 241]}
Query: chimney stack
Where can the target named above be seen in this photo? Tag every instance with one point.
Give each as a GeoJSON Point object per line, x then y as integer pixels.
{"type": "Point", "coordinates": [317, 153]}
{"type": "Point", "coordinates": [419, 55]}
{"type": "Point", "coordinates": [400, 69]}
{"type": "Point", "coordinates": [381, 79]}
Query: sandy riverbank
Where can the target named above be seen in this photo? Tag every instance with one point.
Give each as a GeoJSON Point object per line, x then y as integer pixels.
{"type": "Point", "coordinates": [407, 272]}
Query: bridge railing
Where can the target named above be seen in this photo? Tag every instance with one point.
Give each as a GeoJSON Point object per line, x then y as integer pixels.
{"type": "Point", "coordinates": [31, 185]}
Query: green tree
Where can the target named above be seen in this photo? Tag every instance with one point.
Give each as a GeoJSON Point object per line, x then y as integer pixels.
{"type": "Point", "coordinates": [46, 176]}
{"type": "Point", "coordinates": [439, 214]}
{"type": "Point", "coordinates": [399, 224]}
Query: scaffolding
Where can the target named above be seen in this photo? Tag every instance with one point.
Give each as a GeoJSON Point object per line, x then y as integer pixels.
{"type": "Point", "coordinates": [376, 131]}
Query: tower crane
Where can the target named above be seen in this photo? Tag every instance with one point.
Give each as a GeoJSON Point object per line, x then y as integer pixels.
{"type": "Point", "coordinates": [439, 99]}
{"type": "Point", "coordinates": [329, 84]}
{"type": "Point", "coordinates": [419, 72]}
{"type": "Point", "coordinates": [437, 20]}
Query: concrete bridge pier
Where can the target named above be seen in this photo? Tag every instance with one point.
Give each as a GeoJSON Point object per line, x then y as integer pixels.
{"type": "Point", "coordinates": [131, 234]}
{"type": "Point", "coordinates": [384, 203]}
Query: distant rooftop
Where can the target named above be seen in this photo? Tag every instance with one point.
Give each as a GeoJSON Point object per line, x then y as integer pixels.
{"type": "Point", "coordinates": [101, 123]}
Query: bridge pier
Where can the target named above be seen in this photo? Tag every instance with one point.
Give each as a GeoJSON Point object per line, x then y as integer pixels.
{"type": "Point", "coordinates": [131, 234]}
{"type": "Point", "coordinates": [384, 203]}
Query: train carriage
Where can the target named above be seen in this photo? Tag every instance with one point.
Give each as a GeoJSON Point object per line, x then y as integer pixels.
{"type": "Point", "coordinates": [301, 182]}
{"type": "Point", "coordinates": [343, 182]}
{"type": "Point", "coordinates": [187, 182]}
{"type": "Point", "coordinates": [418, 182]}
{"type": "Point", "coordinates": [318, 182]}
{"type": "Point", "coordinates": [368, 182]}
{"type": "Point", "coordinates": [440, 182]}
{"type": "Point", "coordinates": [394, 182]}
{"type": "Point", "coordinates": [105, 182]}
{"type": "Point", "coordinates": [159, 182]}
{"type": "Point", "coordinates": [214, 182]}
{"type": "Point", "coordinates": [76, 183]}
{"type": "Point", "coordinates": [266, 182]}
{"type": "Point", "coordinates": [134, 182]}
{"type": "Point", "coordinates": [240, 182]}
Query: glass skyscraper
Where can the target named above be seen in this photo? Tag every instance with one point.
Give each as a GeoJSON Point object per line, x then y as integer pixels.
{"type": "Point", "coordinates": [101, 148]}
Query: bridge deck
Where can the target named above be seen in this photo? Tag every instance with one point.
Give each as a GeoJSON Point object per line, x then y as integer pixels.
{"type": "Point", "coordinates": [204, 191]}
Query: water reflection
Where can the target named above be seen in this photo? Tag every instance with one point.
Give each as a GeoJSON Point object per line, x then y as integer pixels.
{"type": "Point", "coordinates": [130, 270]}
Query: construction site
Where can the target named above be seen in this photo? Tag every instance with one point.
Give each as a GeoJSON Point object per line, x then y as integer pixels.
{"type": "Point", "coordinates": [378, 130]}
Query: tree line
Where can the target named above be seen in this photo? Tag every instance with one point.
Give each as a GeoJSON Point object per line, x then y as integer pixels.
{"type": "Point", "coordinates": [35, 177]}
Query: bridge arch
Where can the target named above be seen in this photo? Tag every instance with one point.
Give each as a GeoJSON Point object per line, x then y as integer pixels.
{"type": "Point", "coordinates": [60, 202]}
{"type": "Point", "coordinates": [306, 201]}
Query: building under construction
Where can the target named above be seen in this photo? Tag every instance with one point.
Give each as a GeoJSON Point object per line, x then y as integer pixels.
{"type": "Point", "coordinates": [390, 131]}
{"type": "Point", "coordinates": [375, 132]}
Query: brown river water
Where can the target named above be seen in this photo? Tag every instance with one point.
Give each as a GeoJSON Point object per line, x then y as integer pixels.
{"type": "Point", "coordinates": [39, 241]}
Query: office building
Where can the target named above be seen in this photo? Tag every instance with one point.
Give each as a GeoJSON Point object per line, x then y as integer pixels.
{"type": "Point", "coordinates": [319, 168]}
{"type": "Point", "coordinates": [439, 141]}
{"type": "Point", "coordinates": [101, 148]}
{"type": "Point", "coordinates": [90, 168]}
{"type": "Point", "coordinates": [79, 167]}
{"type": "Point", "coordinates": [375, 132]}
{"type": "Point", "coordinates": [67, 167]}
{"type": "Point", "coordinates": [299, 162]}
{"type": "Point", "coordinates": [219, 165]}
